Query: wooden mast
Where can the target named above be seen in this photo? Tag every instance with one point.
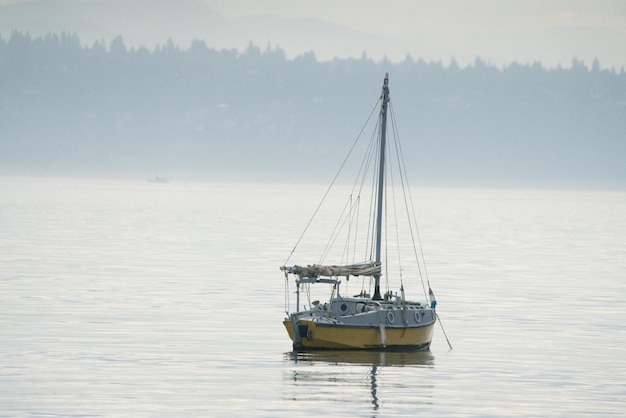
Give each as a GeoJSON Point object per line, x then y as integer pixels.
{"type": "Point", "coordinates": [381, 180]}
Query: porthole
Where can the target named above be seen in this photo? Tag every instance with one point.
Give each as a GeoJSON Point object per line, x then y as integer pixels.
{"type": "Point", "coordinates": [390, 317]}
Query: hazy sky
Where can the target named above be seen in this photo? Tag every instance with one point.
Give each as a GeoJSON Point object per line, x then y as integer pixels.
{"type": "Point", "coordinates": [498, 31]}
{"type": "Point", "coordinates": [501, 31]}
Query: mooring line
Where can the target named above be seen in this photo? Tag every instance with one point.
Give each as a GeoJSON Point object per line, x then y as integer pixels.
{"type": "Point", "coordinates": [444, 331]}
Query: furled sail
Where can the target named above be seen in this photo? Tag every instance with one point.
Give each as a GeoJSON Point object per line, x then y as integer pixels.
{"type": "Point", "coordinates": [368, 268]}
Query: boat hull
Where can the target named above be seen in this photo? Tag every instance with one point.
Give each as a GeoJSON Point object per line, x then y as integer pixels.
{"type": "Point", "coordinates": [340, 336]}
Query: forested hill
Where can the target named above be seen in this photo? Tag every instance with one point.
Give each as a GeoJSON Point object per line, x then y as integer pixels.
{"type": "Point", "coordinates": [206, 114]}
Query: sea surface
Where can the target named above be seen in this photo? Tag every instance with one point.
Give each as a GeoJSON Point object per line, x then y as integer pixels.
{"type": "Point", "coordinates": [128, 298]}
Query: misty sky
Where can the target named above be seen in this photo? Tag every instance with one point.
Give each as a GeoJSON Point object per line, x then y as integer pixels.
{"type": "Point", "coordinates": [501, 31]}
{"type": "Point", "coordinates": [498, 31]}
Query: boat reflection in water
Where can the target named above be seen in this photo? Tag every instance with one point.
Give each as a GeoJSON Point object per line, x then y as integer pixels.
{"type": "Point", "coordinates": [373, 380]}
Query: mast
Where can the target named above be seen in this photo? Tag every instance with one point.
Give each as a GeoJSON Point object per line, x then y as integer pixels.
{"type": "Point", "coordinates": [381, 180]}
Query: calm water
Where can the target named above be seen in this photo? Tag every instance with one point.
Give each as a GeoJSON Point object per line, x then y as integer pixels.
{"type": "Point", "coordinates": [137, 299]}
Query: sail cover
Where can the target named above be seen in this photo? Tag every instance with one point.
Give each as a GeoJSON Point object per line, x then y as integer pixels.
{"type": "Point", "coordinates": [368, 268]}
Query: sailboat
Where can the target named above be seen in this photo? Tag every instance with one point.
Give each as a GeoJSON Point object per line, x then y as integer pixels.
{"type": "Point", "coordinates": [378, 321]}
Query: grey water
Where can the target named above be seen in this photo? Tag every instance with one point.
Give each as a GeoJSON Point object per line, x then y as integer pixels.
{"type": "Point", "coordinates": [122, 298]}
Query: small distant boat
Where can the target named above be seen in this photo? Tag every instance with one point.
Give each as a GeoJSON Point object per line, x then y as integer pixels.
{"type": "Point", "coordinates": [378, 321]}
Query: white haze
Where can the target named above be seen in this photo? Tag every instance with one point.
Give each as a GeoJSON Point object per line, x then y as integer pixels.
{"type": "Point", "coordinates": [499, 32]}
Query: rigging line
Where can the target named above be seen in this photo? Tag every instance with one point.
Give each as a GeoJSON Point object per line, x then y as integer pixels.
{"type": "Point", "coordinates": [362, 175]}
{"type": "Point", "coordinates": [419, 239]}
{"type": "Point", "coordinates": [307, 292]}
{"type": "Point", "coordinates": [403, 179]}
{"type": "Point", "coordinates": [353, 228]}
{"type": "Point", "coordinates": [395, 217]}
{"type": "Point", "coordinates": [356, 227]}
{"type": "Point", "coordinates": [356, 140]}
{"type": "Point", "coordinates": [338, 228]}
{"type": "Point", "coordinates": [386, 229]}
{"type": "Point", "coordinates": [347, 217]}
{"type": "Point", "coordinates": [411, 211]}
{"type": "Point", "coordinates": [371, 225]}
{"type": "Point", "coordinates": [333, 236]}
{"type": "Point", "coordinates": [287, 307]}
{"type": "Point", "coordinates": [372, 157]}
{"type": "Point", "coordinates": [371, 236]}
{"type": "Point", "coordinates": [406, 188]}
{"type": "Point", "coordinates": [346, 247]}
{"type": "Point", "coordinates": [366, 163]}
{"type": "Point", "coordinates": [444, 331]}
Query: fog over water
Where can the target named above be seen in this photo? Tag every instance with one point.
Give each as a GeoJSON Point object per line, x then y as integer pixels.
{"type": "Point", "coordinates": [126, 298]}
{"type": "Point", "coordinates": [109, 110]}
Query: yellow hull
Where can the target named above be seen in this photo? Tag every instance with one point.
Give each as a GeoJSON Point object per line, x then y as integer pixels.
{"type": "Point", "coordinates": [327, 336]}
